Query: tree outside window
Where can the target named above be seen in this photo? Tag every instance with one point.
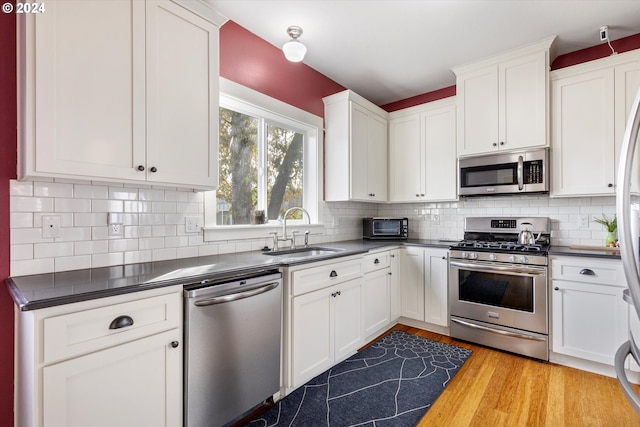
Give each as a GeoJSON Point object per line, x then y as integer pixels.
{"type": "Point", "coordinates": [261, 168]}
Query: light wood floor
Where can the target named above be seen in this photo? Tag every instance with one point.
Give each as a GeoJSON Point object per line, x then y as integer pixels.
{"type": "Point", "coordinates": [495, 389]}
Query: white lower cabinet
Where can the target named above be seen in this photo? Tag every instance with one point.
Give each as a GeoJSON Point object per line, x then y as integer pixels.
{"type": "Point", "coordinates": [127, 385]}
{"type": "Point", "coordinates": [115, 361]}
{"type": "Point", "coordinates": [325, 318]}
{"type": "Point", "coordinates": [394, 284]}
{"type": "Point", "coordinates": [590, 320]}
{"type": "Point", "coordinates": [424, 285]}
{"type": "Point", "coordinates": [376, 292]}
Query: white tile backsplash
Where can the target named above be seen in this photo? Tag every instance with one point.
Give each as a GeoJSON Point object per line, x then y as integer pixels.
{"type": "Point", "coordinates": [154, 220]}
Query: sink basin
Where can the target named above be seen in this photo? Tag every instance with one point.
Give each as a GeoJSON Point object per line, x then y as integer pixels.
{"type": "Point", "coordinates": [304, 252]}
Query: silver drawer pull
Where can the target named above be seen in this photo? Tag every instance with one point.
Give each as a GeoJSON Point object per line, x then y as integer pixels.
{"type": "Point", "coordinates": [121, 322]}
{"type": "Point", "coordinates": [587, 272]}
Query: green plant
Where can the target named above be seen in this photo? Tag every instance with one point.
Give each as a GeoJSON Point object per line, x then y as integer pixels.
{"type": "Point", "coordinates": [610, 223]}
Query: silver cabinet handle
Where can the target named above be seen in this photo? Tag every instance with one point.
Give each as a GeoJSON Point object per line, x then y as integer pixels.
{"type": "Point", "coordinates": [236, 296]}
{"type": "Point", "coordinates": [587, 272]}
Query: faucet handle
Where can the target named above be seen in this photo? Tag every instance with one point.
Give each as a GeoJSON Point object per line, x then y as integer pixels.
{"type": "Point", "coordinates": [293, 238]}
{"type": "Point", "coordinates": [275, 240]}
{"type": "Point", "coordinates": [306, 239]}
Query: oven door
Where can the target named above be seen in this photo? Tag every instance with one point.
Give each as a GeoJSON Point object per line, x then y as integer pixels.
{"type": "Point", "coordinates": [510, 295]}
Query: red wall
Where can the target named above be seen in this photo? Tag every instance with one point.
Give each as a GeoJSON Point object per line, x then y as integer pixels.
{"type": "Point", "coordinates": [251, 61]}
{"type": "Point", "coordinates": [7, 171]}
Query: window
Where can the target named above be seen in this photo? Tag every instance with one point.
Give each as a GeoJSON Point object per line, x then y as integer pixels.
{"type": "Point", "coordinates": [268, 161]}
{"type": "Point", "coordinates": [261, 168]}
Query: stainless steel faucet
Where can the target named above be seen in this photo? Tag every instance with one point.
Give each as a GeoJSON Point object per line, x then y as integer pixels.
{"type": "Point", "coordinates": [284, 237]}
{"type": "Point", "coordinates": [284, 223]}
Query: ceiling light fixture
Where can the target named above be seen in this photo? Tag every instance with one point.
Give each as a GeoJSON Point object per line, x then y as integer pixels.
{"type": "Point", "coordinates": [294, 50]}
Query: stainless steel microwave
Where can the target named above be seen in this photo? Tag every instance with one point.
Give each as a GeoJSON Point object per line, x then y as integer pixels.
{"type": "Point", "coordinates": [385, 228]}
{"type": "Point", "coordinates": [508, 173]}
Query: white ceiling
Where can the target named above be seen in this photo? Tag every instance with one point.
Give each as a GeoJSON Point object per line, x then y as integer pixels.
{"type": "Point", "coordinates": [388, 50]}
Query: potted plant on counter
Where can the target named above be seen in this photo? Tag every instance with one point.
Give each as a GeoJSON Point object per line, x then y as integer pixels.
{"type": "Point", "coordinates": [612, 225]}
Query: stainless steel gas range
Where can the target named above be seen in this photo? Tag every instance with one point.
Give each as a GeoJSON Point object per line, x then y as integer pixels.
{"type": "Point", "coordinates": [498, 291]}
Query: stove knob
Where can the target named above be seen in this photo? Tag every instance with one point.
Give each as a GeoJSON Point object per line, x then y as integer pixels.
{"type": "Point", "coordinates": [513, 258]}
{"type": "Point", "coordinates": [524, 259]}
{"type": "Point", "coordinates": [473, 255]}
{"type": "Point", "coordinates": [492, 257]}
{"type": "Point", "coordinates": [464, 255]}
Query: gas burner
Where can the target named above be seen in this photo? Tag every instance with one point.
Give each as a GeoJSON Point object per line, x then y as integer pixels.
{"type": "Point", "coordinates": [499, 246]}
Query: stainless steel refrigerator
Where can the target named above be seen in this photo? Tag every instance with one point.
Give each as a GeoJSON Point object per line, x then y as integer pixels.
{"type": "Point", "coordinates": [627, 210]}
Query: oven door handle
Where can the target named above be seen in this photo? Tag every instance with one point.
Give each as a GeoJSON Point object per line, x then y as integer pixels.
{"type": "Point", "coordinates": [527, 271]}
{"type": "Point", "coordinates": [497, 331]}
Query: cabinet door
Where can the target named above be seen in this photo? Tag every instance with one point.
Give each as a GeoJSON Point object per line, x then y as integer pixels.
{"type": "Point", "coordinates": [523, 102]}
{"type": "Point", "coordinates": [627, 83]}
{"type": "Point", "coordinates": [377, 158]}
{"type": "Point", "coordinates": [182, 96]}
{"type": "Point", "coordinates": [478, 111]}
{"type": "Point", "coordinates": [134, 384]}
{"type": "Point", "coordinates": [348, 331]}
{"type": "Point", "coordinates": [359, 152]}
{"type": "Point", "coordinates": [312, 321]}
{"type": "Point", "coordinates": [436, 308]}
{"type": "Point", "coordinates": [582, 134]}
{"type": "Point", "coordinates": [439, 154]}
{"type": "Point", "coordinates": [394, 284]}
{"type": "Point", "coordinates": [375, 301]}
{"type": "Point", "coordinates": [589, 321]}
{"type": "Point", "coordinates": [406, 159]}
{"type": "Point", "coordinates": [412, 284]}
{"type": "Point", "coordinates": [84, 106]}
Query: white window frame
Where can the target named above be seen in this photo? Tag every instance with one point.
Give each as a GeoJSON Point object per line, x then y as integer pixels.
{"type": "Point", "coordinates": [245, 100]}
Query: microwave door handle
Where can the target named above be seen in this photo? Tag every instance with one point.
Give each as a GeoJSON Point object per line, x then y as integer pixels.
{"type": "Point", "coordinates": [520, 173]}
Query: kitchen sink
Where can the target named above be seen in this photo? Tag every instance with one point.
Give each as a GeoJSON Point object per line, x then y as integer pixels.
{"type": "Point", "coordinates": [304, 252]}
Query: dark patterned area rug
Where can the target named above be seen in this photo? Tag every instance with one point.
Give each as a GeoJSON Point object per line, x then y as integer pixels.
{"type": "Point", "coordinates": [391, 383]}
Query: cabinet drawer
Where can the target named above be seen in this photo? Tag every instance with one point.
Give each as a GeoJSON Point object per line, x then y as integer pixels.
{"type": "Point", "coordinates": [73, 334]}
{"type": "Point", "coordinates": [589, 271]}
{"type": "Point", "coordinates": [310, 279]}
{"type": "Point", "coordinates": [373, 262]}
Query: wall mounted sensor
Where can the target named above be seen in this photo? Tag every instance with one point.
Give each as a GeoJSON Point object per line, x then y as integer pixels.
{"type": "Point", "coordinates": [604, 33]}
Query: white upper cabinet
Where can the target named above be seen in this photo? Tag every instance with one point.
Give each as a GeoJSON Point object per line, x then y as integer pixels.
{"type": "Point", "coordinates": [422, 153]}
{"type": "Point", "coordinates": [119, 98]}
{"type": "Point", "coordinates": [503, 101]}
{"type": "Point", "coordinates": [590, 107]}
{"type": "Point", "coordinates": [355, 149]}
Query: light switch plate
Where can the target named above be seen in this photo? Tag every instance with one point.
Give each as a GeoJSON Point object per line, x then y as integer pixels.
{"type": "Point", "coordinates": [193, 224]}
{"type": "Point", "coordinates": [51, 226]}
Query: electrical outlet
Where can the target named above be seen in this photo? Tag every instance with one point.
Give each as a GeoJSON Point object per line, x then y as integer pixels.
{"type": "Point", "coordinates": [435, 219]}
{"type": "Point", "coordinates": [51, 226]}
{"type": "Point", "coordinates": [584, 221]}
{"type": "Point", "coordinates": [116, 229]}
{"type": "Point", "coordinates": [192, 224]}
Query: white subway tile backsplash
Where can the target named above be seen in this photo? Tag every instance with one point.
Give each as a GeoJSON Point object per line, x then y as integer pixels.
{"type": "Point", "coordinates": [105, 260]}
{"type": "Point", "coordinates": [91, 247]}
{"type": "Point", "coordinates": [52, 250]}
{"type": "Point", "coordinates": [21, 220]}
{"type": "Point", "coordinates": [65, 263]}
{"type": "Point", "coordinates": [72, 205]}
{"type": "Point", "coordinates": [21, 252]}
{"type": "Point", "coordinates": [95, 192]}
{"type": "Point", "coordinates": [52, 189]}
{"type": "Point", "coordinates": [155, 222]}
{"type": "Point", "coordinates": [30, 204]}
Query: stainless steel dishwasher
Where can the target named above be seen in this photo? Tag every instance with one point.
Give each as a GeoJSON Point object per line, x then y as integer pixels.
{"type": "Point", "coordinates": [233, 335]}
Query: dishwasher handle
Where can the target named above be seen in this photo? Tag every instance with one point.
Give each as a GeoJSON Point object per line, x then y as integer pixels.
{"type": "Point", "coordinates": [236, 296]}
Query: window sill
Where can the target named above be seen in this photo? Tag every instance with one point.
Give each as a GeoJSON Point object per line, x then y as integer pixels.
{"type": "Point", "coordinates": [242, 232]}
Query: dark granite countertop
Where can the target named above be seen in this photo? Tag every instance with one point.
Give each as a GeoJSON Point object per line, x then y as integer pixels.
{"type": "Point", "coordinates": [51, 289]}
{"type": "Point", "coordinates": [592, 253]}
